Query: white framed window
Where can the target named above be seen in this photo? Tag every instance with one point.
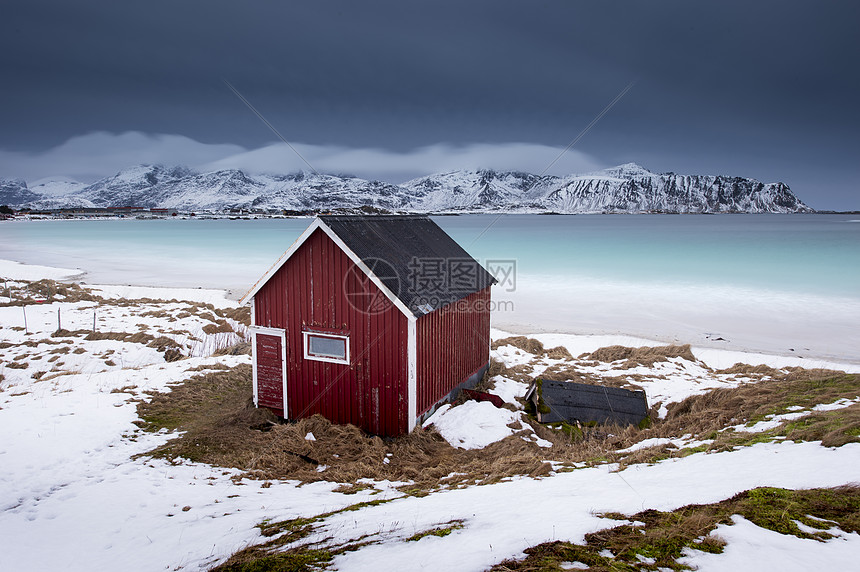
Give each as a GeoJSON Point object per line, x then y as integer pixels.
{"type": "Point", "coordinates": [333, 348]}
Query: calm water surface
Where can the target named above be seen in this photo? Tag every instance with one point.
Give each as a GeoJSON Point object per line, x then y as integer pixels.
{"type": "Point", "coordinates": [797, 253]}
{"type": "Point", "coordinates": [778, 283]}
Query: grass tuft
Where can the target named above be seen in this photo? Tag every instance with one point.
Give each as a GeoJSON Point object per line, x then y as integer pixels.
{"type": "Point", "coordinates": [439, 531]}
{"type": "Point", "coordinates": [663, 537]}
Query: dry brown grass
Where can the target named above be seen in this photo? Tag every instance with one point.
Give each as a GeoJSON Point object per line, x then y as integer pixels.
{"type": "Point", "coordinates": [241, 314]}
{"type": "Point", "coordinates": [746, 369]}
{"type": "Point", "coordinates": [171, 349]}
{"type": "Point", "coordinates": [706, 416]}
{"type": "Point", "coordinates": [832, 428]}
{"type": "Point", "coordinates": [521, 373]}
{"type": "Point", "coordinates": [47, 290]}
{"type": "Point", "coordinates": [723, 407]}
{"type": "Point", "coordinates": [532, 346]}
{"type": "Point", "coordinates": [242, 348]}
{"type": "Point", "coordinates": [558, 352]}
{"type": "Point", "coordinates": [31, 343]}
{"type": "Point", "coordinates": [27, 292]}
{"type": "Point", "coordinates": [565, 372]}
{"type": "Point", "coordinates": [222, 427]}
{"type": "Point", "coordinates": [529, 345]}
{"type": "Point", "coordinates": [644, 356]}
{"type": "Point", "coordinates": [204, 311]}
{"type": "Point", "coordinates": [220, 326]}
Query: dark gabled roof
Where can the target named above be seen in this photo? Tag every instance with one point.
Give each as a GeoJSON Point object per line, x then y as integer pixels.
{"type": "Point", "coordinates": [417, 260]}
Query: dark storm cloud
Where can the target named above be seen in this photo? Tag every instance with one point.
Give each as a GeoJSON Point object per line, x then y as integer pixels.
{"type": "Point", "coordinates": [760, 89]}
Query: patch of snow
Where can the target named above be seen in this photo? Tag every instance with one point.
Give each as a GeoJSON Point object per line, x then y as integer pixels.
{"type": "Point", "coordinates": [18, 271]}
{"type": "Point", "coordinates": [774, 421]}
{"type": "Point", "coordinates": [752, 548]}
{"type": "Point", "coordinates": [838, 404]}
{"type": "Point", "coordinates": [512, 356]}
{"type": "Point", "coordinates": [217, 298]}
{"type": "Point", "coordinates": [533, 438]}
{"type": "Point", "coordinates": [681, 443]}
{"type": "Point", "coordinates": [487, 511]}
{"type": "Point", "coordinates": [645, 443]}
{"type": "Point", "coordinates": [723, 359]}
{"type": "Point", "coordinates": [474, 424]}
{"type": "Point", "coordinates": [575, 565]}
{"type": "Point", "coordinates": [768, 424]}
{"type": "Point", "coordinates": [578, 344]}
{"type": "Point", "coordinates": [508, 389]}
{"type": "Point", "coordinates": [67, 474]}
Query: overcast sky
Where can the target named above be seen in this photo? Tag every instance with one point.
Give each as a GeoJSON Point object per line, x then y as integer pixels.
{"type": "Point", "coordinates": [393, 90]}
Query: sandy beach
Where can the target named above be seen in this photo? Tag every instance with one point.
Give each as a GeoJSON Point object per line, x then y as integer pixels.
{"type": "Point", "coordinates": [812, 329]}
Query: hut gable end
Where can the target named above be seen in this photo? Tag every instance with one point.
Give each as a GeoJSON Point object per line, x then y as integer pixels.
{"type": "Point", "coordinates": [366, 337]}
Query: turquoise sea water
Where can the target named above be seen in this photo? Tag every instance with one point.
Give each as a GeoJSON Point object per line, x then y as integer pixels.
{"type": "Point", "coordinates": [804, 253]}
{"type": "Point", "coordinates": [817, 254]}
{"type": "Point", "coordinates": [744, 277]}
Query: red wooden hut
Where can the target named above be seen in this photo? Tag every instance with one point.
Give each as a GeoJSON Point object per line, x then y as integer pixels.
{"type": "Point", "coordinates": [370, 320]}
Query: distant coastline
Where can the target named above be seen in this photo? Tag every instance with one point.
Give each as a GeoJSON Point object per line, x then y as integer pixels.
{"type": "Point", "coordinates": [627, 188]}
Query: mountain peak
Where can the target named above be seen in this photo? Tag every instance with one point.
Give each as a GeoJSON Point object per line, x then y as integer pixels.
{"type": "Point", "coordinates": [628, 188]}
{"type": "Point", "coordinates": [627, 171]}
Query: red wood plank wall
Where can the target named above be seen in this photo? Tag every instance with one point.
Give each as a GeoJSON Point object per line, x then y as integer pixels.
{"type": "Point", "coordinates": [319, 287]}
{"type": "Point", "coordinates": [453, 343]}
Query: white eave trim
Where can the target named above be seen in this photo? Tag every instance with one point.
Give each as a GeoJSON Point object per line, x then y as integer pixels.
{"type": "Point", "coordinates": [412, 373]}
{"type": "Point", "coordinates": [319, 224]}
{"type": "Point", "coordinates": [279, 262]}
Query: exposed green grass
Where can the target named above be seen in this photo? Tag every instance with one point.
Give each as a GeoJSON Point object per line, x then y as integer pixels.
{"type": "Point", "coordinates": [270, 556]}
{"type": "Point", "coordinates": [295, 526]}
{"type": "Point", "coordinates": [363, 504]}
{"type": "Point", "coordinates": [293, 529]}
{"type": "Point", "coordinates": [220, 426]}
{"type": "Point", "coordinates": [706, 416]}
{"type": "Point", "coordinates": [438, 531]}
{"type": "Point", "coordinates": [198, 406]}
{"type": "Point", "coordinates": [572, 431]}
{"type": "Point", "coordinates": [832, 428]}
{"type": "Point", "coordinates": [663, 536]}
{"type": "Point", "coordinates": [295, 560]}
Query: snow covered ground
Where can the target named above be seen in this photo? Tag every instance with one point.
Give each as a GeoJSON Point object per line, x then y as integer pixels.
{"type": "Point", "coordinates": [73, 496]}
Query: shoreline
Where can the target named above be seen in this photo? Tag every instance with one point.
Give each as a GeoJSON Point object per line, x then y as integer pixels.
{"type": "Point", "coordinates": [699, 342]}
{"type": "Point", "coordinates": [753, 350]}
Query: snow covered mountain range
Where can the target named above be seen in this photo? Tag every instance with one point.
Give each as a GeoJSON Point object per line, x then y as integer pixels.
{"type": "Point", "coordinates": [627, 188]}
